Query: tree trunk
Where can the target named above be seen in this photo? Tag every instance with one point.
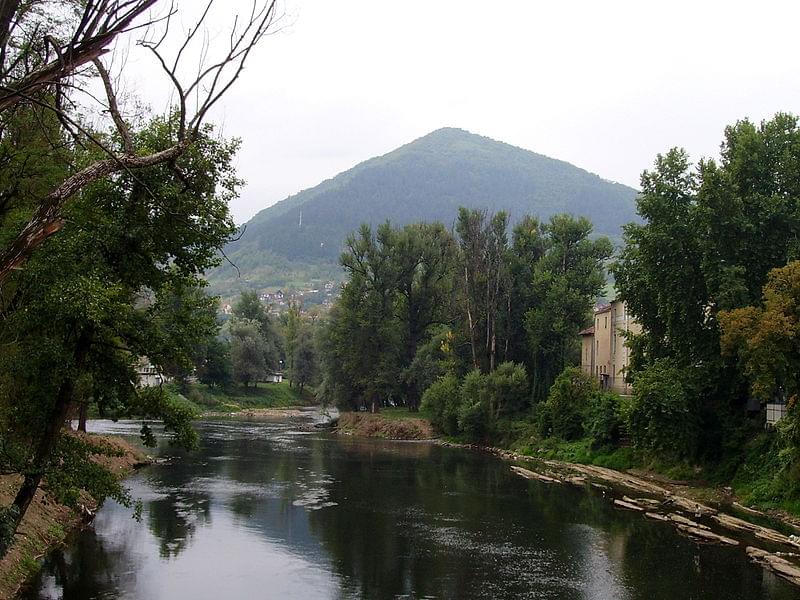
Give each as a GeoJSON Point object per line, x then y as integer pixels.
{"type": "Point", "coordinates": [82, 415]}
{"type": "Point", "coordinates": [55, 421]}
{"type": "Point", "coordinates": [469, 319]}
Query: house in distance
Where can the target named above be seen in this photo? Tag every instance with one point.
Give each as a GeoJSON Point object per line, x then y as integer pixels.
{"type": "Point", "coordinates": [604, 352]}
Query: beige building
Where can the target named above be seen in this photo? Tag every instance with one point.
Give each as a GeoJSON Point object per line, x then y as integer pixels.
{"type": "Point", "coordinates": [604, 353]}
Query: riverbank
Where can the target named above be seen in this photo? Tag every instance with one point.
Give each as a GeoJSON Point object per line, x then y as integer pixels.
{"type": "Point", "coordinates": [217, 401]}
{"type": "Point", "coordinates": [727, 522]}
{"type": "Point", "coordinates": [389, 424]}
{"type": "Point", "coordinates": [706, 514]}
{"type": "Point", "coordinates": [47, 523]}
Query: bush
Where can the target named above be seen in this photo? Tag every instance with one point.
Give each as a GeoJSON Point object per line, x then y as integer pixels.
{"type": "Point", "coordinates": [567, 404]}
{"type": "Point", "coordinates": [441, 400]}
{"type": "Point", "coordinates": [473, 420]}
{"type": "Point", "coordinates": [658, 415]}
{"type": "Point", "coordinates": [604, 420]}
{"type": "Point", "coordinates": [473, 412]}
{"type": "Point", "coordinates": [508, 389]}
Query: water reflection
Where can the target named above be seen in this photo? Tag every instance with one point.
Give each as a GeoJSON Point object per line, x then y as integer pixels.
{"type": "Point", "coordinates": [267, 510]}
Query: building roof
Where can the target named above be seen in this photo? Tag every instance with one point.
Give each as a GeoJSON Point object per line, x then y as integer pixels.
{"type": "Point", "coordinates": [601, 308]}
{"type": "Point", "coordinates": [587, 331]}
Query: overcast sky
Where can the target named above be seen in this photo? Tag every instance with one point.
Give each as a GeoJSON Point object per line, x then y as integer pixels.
{"type": "Point", "coordinates": [603, 85]}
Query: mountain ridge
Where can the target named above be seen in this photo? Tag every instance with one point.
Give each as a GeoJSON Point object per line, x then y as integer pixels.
{"type": "Point", "coordinates": [424, 180]}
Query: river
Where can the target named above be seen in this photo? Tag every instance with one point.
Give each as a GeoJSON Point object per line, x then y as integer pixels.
{"type": "Point", "coordinates": [267, 509]}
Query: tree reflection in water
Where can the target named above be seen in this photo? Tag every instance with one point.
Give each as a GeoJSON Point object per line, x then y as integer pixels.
{"type": "Point", "coordinates": [266, 510]}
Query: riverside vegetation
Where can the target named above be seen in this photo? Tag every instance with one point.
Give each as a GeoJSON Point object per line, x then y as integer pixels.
{"type": "Point", "coordinates": [106, 227]}
{"type": "Point", "coordinates": [481, 331]}
{"type": "Point", "coordinates": [106, 231]}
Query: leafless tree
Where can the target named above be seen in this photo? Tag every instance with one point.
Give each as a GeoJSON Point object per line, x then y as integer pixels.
{"type": "Point", "coordinates": [36, 68]}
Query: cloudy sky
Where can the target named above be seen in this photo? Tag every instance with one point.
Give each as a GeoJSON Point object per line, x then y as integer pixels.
{"type": "Point", "coordinates": [603, 85]}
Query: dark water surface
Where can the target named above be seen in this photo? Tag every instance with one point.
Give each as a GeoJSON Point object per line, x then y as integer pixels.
{"type": "Point", "coordinates": [266, 510]}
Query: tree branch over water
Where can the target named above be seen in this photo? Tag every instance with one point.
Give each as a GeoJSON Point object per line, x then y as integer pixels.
{"type": "Point", "coordinates": [35, 68]}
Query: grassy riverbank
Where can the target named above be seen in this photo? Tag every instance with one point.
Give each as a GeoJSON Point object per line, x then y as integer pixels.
{"type": "Point", "coordinates": [47, 523]}
{"type": "Point", "coordinates": [390, 424]}
{"type": "Point", "coordinates": [237, 398]}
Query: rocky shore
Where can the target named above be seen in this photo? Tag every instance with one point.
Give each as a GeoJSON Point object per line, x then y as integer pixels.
{"type": "Point", "coordinates": [672, 503]}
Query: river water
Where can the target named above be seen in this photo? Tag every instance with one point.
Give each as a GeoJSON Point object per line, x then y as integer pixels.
{"type": "Point", "coordinates": [271, 510]}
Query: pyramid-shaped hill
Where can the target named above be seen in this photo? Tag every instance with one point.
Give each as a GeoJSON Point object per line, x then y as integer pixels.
{"type": "Point", "coordinates": [425, 180]}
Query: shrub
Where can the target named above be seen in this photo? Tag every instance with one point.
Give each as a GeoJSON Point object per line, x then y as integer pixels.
{"type": "Point", "coordinates": [441, 400]}
{"type": "Point", "coordinates": [658, 415]}
{"type": "Point", "coordinates": [564, 411]}
{"type": "Point", "coordinates": [508, 389]}
{"type": "Point", "coordinates": [604, 420]}
{"type": "Point", "coordinates": [474, 413]}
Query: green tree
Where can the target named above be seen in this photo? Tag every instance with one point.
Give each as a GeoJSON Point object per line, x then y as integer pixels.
{"type": "Point", "coordinates": [441, 401]}
{"type": "Point", "coordinates": [117, 284]}
{"type": "Point", "coordinates": [216, 368]}
{"type": "Point", "coordinates": [292, 322]}
{"type": "Point", "coordinates": [566, 281]}
{"type": "Point", "coordinates": [425, 256]}
{"type": "Point", "coordinates": [484, 279]}
{"type": "Point", "coordinates": [564, 412]}
{"type": "Point", "coordinates": [248, 352]}
{"type": "Point", "coordinates": [305, 357]}
{"type": "Point", "coordinates": [659, 416]}
{"type": "Point", "coordinates": [710, 237]}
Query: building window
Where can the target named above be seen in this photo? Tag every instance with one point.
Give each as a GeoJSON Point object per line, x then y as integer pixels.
{"type": "Point", "coordinates": [605, 324]}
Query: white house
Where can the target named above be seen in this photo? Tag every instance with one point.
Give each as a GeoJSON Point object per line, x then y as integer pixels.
{"type": "Point", "coordinates": [148, 374]}
{"type": "Point", "coordinates": [274, 377]}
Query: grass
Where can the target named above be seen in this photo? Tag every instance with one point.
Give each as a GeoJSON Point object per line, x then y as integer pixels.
{"type": "Point", "coordinates": [400, 413]}
{"type": "Point", "coordinates": [236, 398]}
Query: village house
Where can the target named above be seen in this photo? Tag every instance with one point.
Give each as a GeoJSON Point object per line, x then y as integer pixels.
{"type": "Point", "coordinates": [604, 353]}
{"type": "Point", "coordinates": [148, 375]}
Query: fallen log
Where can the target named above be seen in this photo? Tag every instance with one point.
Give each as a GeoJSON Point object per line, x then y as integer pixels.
{"type": "Point", "coordinates": [774, 563]}
{"type": "Point", "coordinates": [628, 505]}
{"type": "Point", "coordinates": [705, 535]}
{"type": "Point", "coordinates": [679, 519]}
{"type": "Point", "coordinates": [527, 474]}
{"type": "Point", "coordinates": [656, 516]}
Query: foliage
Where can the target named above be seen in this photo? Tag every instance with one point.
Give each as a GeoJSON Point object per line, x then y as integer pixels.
{"type": "Point", "coordinates": [304, 361]}
{"type": "Point", "coordinates": [441, 401]}
{"type": "Point", "coordinates": [712, 234]}
{"type": "Point", "coordinates": [249, 352]}
{"type": "Point", "coordinates": [508, 390]}
{"type": "Point", "coordinates": [604, 420]}
{"type": "Point", "coordinates": [473, 412]}
{"type": "Point", "coordinates": [658, 415]}
{"type": "Point", "coordinates": [767, 339]}
{"type": "Point", "coordinates": [216, 367]}
{"type": "Point", "coordinates": [567, 279]}
{"type": "Point", "coordinates": [564, 412]}
{"type": "Point", "coordinates": [120, 282]}
{"type": "Point", "coordinates": [397, 292]}
{"type": "Point", "coordinates": [484, 285]}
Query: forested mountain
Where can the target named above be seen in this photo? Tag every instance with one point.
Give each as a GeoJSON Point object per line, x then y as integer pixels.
{"type": "Point", "coordinates": [300, 238]}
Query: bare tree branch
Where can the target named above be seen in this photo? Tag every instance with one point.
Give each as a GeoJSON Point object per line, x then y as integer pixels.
{"type": "Point", "coordinates": [113, 108]}
{"type": "Point", "coordinates": [100, 23]}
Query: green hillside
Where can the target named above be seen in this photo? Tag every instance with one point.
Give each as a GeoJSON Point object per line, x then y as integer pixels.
{"type": "Point", "coordinates": [425, 180]}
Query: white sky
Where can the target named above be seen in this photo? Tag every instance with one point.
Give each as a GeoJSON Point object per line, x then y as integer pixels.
{"type": "Point", "coordinates": [603, 85]}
